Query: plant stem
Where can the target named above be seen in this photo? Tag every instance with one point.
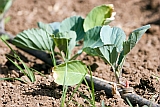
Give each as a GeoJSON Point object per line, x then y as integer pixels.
{"type": "Point", "coordinates": [92, 92]}
{"type": "Point", "coordinates": [118, 70]}
{"type": "Point", "coordinates": [65, 87]}
{"type": "Point", "coordinates": [116, 73]}
{"type": "Point", "coordinates": [53, 58]}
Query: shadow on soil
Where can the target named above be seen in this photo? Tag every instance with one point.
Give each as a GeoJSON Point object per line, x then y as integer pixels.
{"type": "Point", "coordinates": [51, 90]}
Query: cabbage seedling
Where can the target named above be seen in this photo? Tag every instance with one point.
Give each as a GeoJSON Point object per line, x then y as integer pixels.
{"type": "Point", "coordinates": [110, 44]}
{"type": "Point", "coordinates": [65, 35]}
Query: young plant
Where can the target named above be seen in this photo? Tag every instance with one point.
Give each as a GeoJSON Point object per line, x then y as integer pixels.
{"type": "Point", "coordinates": [65, 35]}
{"type": "Point", "coordinates": [110, 44]}
{"type": "Point", "coordinates": [26, 71]}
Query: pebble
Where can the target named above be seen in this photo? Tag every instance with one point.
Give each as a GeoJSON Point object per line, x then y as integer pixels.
{"type": "Point", "coordinates": [126, 64]}
{"type": "Point", "coordinates": [140, 67]}
{"type": "Point", "coordinates": [25, 78]}
{"type": "Point", "coordinates": [16, 74]}
{"type": "Point", "coordinates": [149, 66]}
{"type": "Point", "coordinates": [50, 78]}
{"type": "Point", "coordinates": [11, 85]}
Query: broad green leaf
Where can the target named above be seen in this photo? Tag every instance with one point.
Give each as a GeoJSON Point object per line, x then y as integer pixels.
{"type": "Point", "coordinates": [65, 41]}
{"type": "Point", "coordinates": [36, 39]}
{"type": "Point", "coordinates": [92, 38]}
{"type": "Point", "coordinates": [92, 41]}
{"type": "Point", "coordinates": [113, 36]}
{"type": "Point", "coordinates": [97, 16]}
{"type": "Point", "coordinates": [74, 23]}
{"type": "Point", "coordinates": [51, 28]}
{"type": "Point", "coordinates": [110, 54]}
{"type": "Point", "coordinates": [135, 36]}
{"type": "Point", "coordinates": [76, 71]}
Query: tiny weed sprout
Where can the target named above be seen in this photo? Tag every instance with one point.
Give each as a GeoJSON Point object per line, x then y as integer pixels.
{"type": "Point", "coordinates": [26, 71]}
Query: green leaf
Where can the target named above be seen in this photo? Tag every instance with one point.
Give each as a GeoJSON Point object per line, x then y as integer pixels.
{"type": "Point", "coordinates": [97, 16]}
{"type": "Point", "coordinates": [45, 27]}
{"type": "Point", "coordinates": [92, 41]}
{"type": "Point", "coordinates": [55, 27]}
{"type": "Point", "coordinates": [62, 39]}
{"type": "Point", "coordinates": [74, 23]}
{"type": "Point", "coordinates": [92, 38]}
{"type": "Point", "coordinates": [126, 47]}
{"type": "Point", "coordinates": [133, 39]}
{"type": "Point", "coordinates": [76, 70]}
{"type": "Point", "coordinates": [113, 36]}
{"type": "Point", "coordinates": [51, 28]}
{"type": "Point", "coordinates": [109, 54]}
{"type": "Point", "coordinates": [36, 39]}
{"type": "Point", "coordinates": [91, 51]}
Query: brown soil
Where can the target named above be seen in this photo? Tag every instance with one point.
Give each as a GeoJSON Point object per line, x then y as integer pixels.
{"type": "Point", "coordinates": [141, 67]}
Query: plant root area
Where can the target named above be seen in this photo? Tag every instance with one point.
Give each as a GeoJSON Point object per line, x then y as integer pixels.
{"type": "Point", "coordinates": [142, 66]}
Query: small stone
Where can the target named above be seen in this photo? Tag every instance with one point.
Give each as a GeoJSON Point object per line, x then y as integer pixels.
{"type": "Point", "coordinates": [140, 67]}
{"type": "Point", "coordinates": [126, 64]}
{"type": "Point", "coordinates": [150, 66]}
{"type": "Point", "coordinates": [17, 82]}
{"type": "Point", "coordinates": [15, 74]}
{"type": "Point", "coordinates": [50, 78]}
{"type": "Point", "coordinates": [4, 83]}
{"type": "Point", "coordinates": [25, 78]}
{"type": "Point", "coordinates": [10, 85]}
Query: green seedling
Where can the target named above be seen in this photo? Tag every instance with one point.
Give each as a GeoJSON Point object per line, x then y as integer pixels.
{"type": "Point", "coordinates": [29, 72]}
{"type": "Point", "coordinates": [65, 36]}
{"type": "Point", "coordinates": [110, 44]}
